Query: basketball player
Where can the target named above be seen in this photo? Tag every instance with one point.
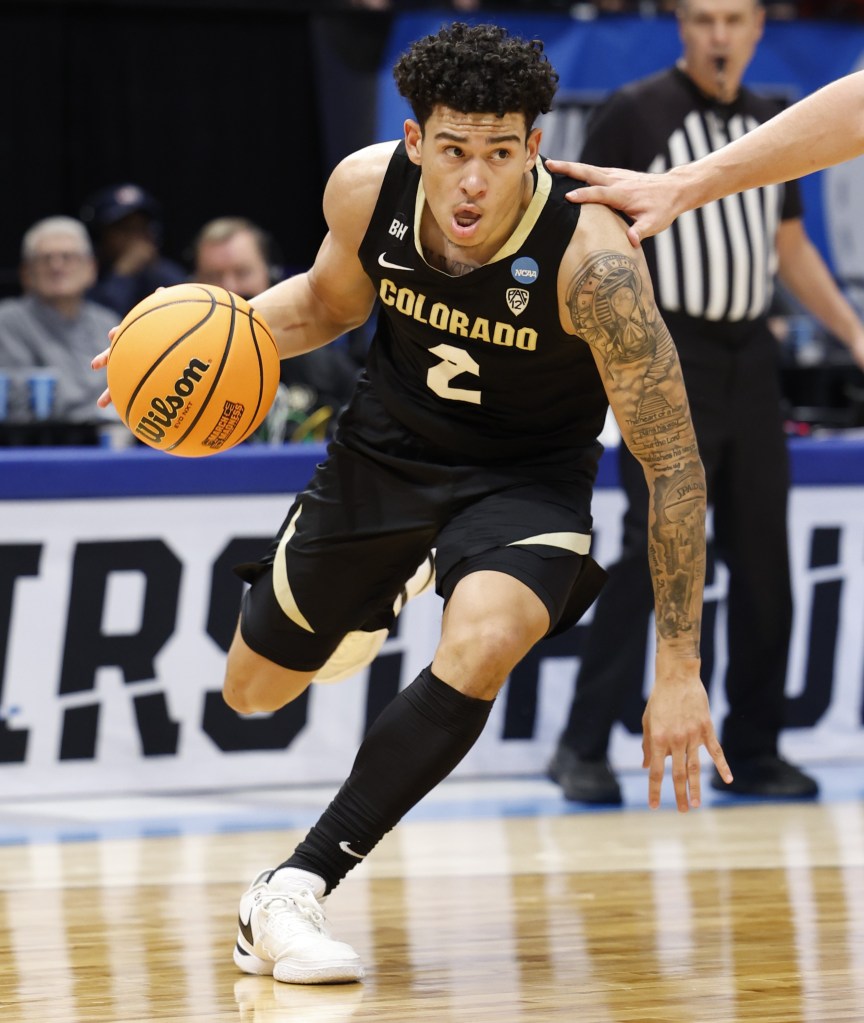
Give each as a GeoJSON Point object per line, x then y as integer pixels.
{"type": "Point", "coordinates": [509, 319]}
{"type": "Point", "coordinates": [818, 131]}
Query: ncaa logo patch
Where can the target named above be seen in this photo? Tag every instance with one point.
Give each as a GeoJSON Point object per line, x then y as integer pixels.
{"type": "Point", "coordinates": [517, 300]}
{"type": "Point", "coordinates": [525, 270]}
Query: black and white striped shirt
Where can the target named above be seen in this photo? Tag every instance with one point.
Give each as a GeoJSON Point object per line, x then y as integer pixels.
{"type": "Point", "coordinates": [716, 263]}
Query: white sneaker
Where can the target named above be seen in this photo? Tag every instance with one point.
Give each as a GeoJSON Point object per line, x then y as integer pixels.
{"type": "Point", "coordinates": [283, 932]}
{"type": "Point", "coordinates": [359, 649]}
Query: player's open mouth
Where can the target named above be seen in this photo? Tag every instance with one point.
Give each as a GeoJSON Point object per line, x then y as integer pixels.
{"type": "Point", "coordinates": [465, 221]}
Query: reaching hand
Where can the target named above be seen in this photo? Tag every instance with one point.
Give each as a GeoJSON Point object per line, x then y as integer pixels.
{"type": "Point", "coordinates": [649, 199]}
{"type": "Point", "coordinates": [676, 724]}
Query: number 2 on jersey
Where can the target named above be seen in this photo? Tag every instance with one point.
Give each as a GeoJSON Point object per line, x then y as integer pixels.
{"type": "Point", "coordinates": [453, 362]}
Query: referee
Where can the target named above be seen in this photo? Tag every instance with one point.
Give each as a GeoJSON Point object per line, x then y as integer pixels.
{"type": "Point", "coordinates": [714, 271]}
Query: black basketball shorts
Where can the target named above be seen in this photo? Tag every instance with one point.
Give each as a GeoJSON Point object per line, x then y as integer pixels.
{"type": "Point", "coordinates": [370, 516]}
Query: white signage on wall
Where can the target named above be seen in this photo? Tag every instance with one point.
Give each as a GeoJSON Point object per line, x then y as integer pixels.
{"type": "Point", "coordinates": [115, 614]}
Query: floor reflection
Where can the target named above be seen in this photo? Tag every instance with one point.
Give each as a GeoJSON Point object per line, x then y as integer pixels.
{"type": "Point", "coordinates": [732, 915]}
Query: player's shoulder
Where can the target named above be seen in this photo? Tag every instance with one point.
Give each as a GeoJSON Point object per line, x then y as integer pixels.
{"type": "Point", "coordinates": [599, 227]}
{"type": "Point", "coordinates": [364, 169]}
{"type": "Point", "coordinates": [353, 187]}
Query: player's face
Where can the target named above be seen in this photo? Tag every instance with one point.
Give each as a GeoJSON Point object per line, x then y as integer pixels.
{"type": "Point", "coordinates": [58, 268]}
{"type": "Point", "coordinates": [236, 263]}
{"type": "Point", "coordinates": [474, 169]}
{"type": "Point", "coordinates": [725, 31]}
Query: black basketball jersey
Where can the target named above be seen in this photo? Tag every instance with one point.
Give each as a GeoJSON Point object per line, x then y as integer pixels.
{"type": "Point", "coordinates": [479, 365]}
{"type": "Point", "coordinates": [716, 263]}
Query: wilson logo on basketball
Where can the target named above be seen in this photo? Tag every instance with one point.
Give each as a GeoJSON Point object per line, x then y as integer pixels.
{"type": "Point", "coordinates": [163, 412]}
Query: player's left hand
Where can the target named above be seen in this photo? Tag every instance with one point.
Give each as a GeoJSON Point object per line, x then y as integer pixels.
{"type": "Point", "coordinates": [677, 723]}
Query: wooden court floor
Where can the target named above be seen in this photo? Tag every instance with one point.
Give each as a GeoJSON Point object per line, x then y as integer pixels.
{"type": "Point", "coordinates": [731, 914]}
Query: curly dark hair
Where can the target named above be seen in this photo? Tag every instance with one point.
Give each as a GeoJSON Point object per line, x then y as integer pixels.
{"type": "Point", "coordinates": [476, 69]}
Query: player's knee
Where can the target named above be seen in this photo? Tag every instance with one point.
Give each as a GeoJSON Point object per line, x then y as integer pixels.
{"type": "Point", "coordinates": [484, 651]}
{"type": "Point", "coordinates": [251, 694]}
{"type": "Point", "coordinates": [239, 689]}
{"type": "Point", "coordinates": [239, 695]}
{"type": "Point", "coordinates": [255, 685]}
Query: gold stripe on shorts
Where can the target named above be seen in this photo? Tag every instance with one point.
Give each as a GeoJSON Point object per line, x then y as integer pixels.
{"type": "Point", "coordinates": [578, 543]}
{"type": "Point", "coordinates": [281, 586]}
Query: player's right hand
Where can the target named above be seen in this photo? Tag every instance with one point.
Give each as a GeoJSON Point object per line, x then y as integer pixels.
{"type": "Point", "coordinates": [100, 362]}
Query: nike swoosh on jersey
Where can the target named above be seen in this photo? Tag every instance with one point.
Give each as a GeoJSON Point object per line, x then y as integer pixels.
{"type": "Point", "coordinates": [383, 261]}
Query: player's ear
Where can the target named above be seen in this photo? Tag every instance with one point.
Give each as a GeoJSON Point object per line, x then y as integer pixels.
{"type": "Point", "coordinates": [533, 147]}
{"type": "Point", "coordinates": [413, 140]}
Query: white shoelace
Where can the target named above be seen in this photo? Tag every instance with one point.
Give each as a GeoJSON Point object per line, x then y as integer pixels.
{"type": "Point", "coordinates": [289, 913]}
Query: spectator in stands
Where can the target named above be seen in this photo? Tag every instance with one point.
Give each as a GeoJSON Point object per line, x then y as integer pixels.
{"type": "Point", "coordinates": [125, 223]}
{"type": "Point", "coordinates": [236, 254]}
{"type": "Point", "coordinates": [239, 255]}
{"type": "Point", "coordinates": [53, 326]}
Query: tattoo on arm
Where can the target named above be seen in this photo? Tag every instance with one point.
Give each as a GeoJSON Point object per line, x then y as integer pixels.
{"type": "Point", "coordinates": [613, 311]}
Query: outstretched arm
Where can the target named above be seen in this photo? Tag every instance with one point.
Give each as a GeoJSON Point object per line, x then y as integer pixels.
{"type": "Point", "coordinates": [818, 131]}
{"type": "Point", "coordinates": [610, 304]}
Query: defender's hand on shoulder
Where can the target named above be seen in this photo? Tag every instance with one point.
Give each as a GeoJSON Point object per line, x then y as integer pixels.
{"type": "Point", "coordinates": [649, 199]}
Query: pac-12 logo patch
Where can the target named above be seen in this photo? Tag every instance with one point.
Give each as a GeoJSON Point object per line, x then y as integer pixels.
{"type": "Point", "coordinates": [525, 270]}
{"type": "Point", "coordinates": [517, 300]}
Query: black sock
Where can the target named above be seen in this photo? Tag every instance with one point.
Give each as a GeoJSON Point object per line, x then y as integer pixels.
{"type": "Point", "coordinates": [413, 744]}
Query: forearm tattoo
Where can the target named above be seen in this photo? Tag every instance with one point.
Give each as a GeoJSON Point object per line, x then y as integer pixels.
{"type": "Point", "coordinates": [610, 310]}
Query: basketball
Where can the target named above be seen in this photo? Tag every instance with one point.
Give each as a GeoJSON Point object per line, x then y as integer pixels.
{"type": "Point", "coordinates": [193, 370]}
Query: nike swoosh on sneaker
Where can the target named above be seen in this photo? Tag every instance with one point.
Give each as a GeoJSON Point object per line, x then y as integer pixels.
{"type": "Point", "coordinates": [246, 929]}
{"type": "Point", "coordinates": [383, 261]}
{"type": "Point", "coordinates": [346, 848]}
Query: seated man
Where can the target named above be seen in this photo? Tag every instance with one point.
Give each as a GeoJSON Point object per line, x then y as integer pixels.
{"type": "Point", "coordinates": [51, 329]}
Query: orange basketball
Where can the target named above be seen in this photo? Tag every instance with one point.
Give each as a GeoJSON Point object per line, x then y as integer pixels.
{"type": "Point", "coordinates": [193, 370]}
